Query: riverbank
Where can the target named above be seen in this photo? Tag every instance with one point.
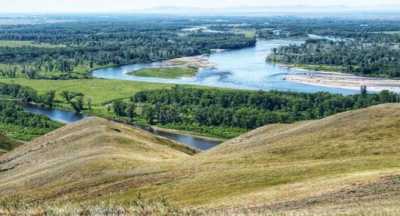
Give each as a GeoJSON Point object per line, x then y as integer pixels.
{"type": "Point", "coordinates": [188, 133]}
{"type": "Point", "coordinates": [201, 61]}
{"type": "Point", "coordinates": [343, 80]}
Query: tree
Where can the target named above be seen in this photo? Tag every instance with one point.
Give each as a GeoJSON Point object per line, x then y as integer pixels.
{"type": "Point", "coordinates": [48, 98]}
{"type": "Point", "coordinates": [119, 108]}
{"type": "Point", "coordinates": [77, 103]}
{"type": "Point", "coordinates": [149, 113]}
{"type": "Point", "coordinates": [75, 99]}
{"type": "Point", "coordinates": [66, 95]}
{"type": "Point", "coordinates": [30, 72]}
{"type": "Point", "coordinates": [130, 110]}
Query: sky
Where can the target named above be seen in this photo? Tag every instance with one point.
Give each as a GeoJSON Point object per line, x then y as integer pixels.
{"type": "Point", "coordinates": [53, 6]}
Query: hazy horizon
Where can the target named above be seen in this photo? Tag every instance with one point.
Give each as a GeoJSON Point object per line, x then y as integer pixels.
{"type": "Point", "coordinates": [83, 6]}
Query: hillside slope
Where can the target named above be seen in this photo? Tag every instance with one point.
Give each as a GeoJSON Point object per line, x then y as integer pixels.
{"type": "Point", "coordinates": [346, 162]}
{"type": "Point", "coordinates": [286, 167]}
{"type": "Point", "coordinates": [82, 156]}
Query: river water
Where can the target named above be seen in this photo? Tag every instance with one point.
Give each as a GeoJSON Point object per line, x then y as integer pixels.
{"type": "Point", "coordinates": [67, 117]}
{"type": "Point", "coordinates": [237, 69]}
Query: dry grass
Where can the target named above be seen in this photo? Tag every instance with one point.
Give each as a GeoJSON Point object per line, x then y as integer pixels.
{"type": "Point", "coordinates": [79, 157]}
{"type": "Point", "coordinates": [346, 164]}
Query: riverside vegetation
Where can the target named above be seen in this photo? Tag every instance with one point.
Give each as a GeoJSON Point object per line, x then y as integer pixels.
{"type": "Point", "coordinates": [375, 56]}
{"type": "Point", "coordinates": [212, 112]}
{"type": "Point", "coordinates": [227, 113]}
{"type": "Point", "coordinates": [70, 50]}
{"type": "Point", "coordinates": [33, 54]}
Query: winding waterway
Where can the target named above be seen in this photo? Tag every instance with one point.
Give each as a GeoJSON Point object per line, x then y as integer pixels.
{"type": "Point", "coordinates": [237, 69]}
{"type": "Point", "coordinates": [67, 117]}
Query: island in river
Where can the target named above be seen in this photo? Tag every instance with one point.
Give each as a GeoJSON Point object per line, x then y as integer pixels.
{"type": "Point", "coordinates": [166, 72]}
{"type": "Point", "coordinates": [175, 68]}
{"type": "Point", "coordinates": [247, 69]}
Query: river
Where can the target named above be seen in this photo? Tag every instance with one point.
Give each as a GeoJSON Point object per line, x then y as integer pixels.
{"type": "Point", "coordinates": [67, 117]}
{"type": "Point", "coordinates": [237, 69]}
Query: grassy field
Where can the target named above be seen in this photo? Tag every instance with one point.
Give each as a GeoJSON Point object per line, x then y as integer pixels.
{"type": "Point", "coordinates": [347, 162]}
{"type": "Point", "coordinates": [167, 73]}
{"type": "Point", "coordinates": [249, 33]}
{"type": "Point", "coordinates": [78, 72]}
{"type": "Point", "coordinates": [101, 92]}
{"type": "Point", "coordinates": [23, 133]}
{"type": "Point", "coordinates": [18, 44]}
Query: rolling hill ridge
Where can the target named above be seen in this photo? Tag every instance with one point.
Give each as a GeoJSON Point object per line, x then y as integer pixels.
{"type": "Point", "coordinates": [346, 162]}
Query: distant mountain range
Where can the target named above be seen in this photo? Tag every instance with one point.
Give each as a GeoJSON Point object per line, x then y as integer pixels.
{"type": "Point", "coordinates": [295, 10]}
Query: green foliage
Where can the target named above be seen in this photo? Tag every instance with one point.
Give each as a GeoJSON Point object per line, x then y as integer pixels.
{"type": "Point", "coordinates": [25, 94]}
{"type": "Point", "coordinates": [7, 144]}
{"type": "Point", "coordinates": [14, 121]}
{"type": "Point", "coordinates": [20, 43]}
{"type": "Point", "coordinates": [48, 98]}
{"type": "Point", "coordinates": [245, 109]}
{"type": "Point", "coordinates": [75, 99]}
{"type": "Point", "coordinates": [18, 124]}
{"type": "Point", "coordinates": [367, 57]}
{"type": "Point", "coordinates": [70, 50]}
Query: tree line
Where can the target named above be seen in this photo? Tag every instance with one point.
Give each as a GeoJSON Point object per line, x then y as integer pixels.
{"type": "Point", "coordinates": [377, 58]}
{"type": "Point", "coordinates": [241, 109]}
{"type": "Point", "coordinates": [81, 46]}
{"type": "Point", "coordinates": [76, 100]}
{"type": "Point", "coordinates": [13, 113]}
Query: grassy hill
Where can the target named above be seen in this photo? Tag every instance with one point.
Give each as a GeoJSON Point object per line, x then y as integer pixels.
{"type": "Point", "coordinates": [348, 163]}
{"type": "Point", "coordinates": [79, 157]}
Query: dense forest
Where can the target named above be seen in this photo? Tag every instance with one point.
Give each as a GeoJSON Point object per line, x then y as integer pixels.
{"type": "Point", "coordinates": [201, 108]}
{"type": "Point", "coordinates": [18, 124]}
{"type": "Point", "coordinates": [374, 54]}
{"type": "Point", "coordinates": [72, 49]}
{"type": "Point", "coordinates": [281, 27]}
{"type": "Point", "coordinates": [14, 121]}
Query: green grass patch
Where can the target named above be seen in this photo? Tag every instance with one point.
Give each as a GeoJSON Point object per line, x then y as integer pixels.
{"type": "Point", "coordinates": [12, 131]}
{"type": "Point", "coordinates": [167, 72]}
{"type": "Point", "coordinates": [103, 92]}
{"type": "Point", "coordinates": [100, 91]}
{"type": "Point", "coordinates": [248, 33]}
{"type": "Point", "coordinates": [18, 44]}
